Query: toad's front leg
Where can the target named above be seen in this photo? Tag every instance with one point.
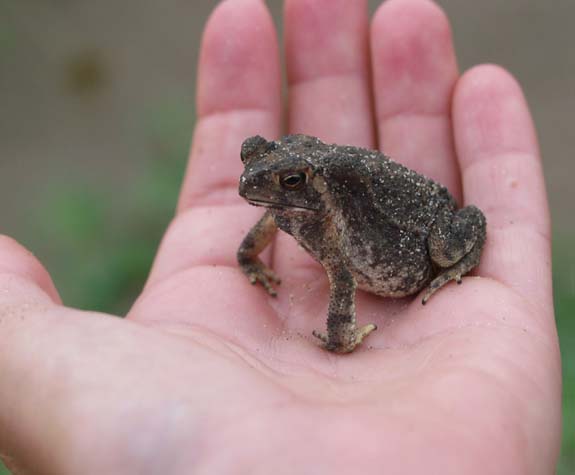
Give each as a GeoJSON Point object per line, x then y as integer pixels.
{"type": "Point", "coordinates": [343, 335]}
{"type": "Point", "coordinates": [253, 244]}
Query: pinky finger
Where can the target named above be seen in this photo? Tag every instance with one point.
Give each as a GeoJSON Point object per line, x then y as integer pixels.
{"type": "Point", "coordinates": [502, 174]}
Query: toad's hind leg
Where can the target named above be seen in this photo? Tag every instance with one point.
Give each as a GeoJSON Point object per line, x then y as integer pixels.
{"type": "Point", "coordinates": [455, 244]}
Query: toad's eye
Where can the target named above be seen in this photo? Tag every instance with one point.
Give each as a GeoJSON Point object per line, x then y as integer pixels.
{"type": "Point", "coordinates": [293, 181]}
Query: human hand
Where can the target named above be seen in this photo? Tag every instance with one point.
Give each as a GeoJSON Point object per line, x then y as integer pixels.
{"type": "Point", "coordinates": [208, 374]}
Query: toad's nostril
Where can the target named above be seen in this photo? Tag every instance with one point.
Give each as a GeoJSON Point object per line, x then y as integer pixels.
{"type": "Point", "coordinates": [242, 187]}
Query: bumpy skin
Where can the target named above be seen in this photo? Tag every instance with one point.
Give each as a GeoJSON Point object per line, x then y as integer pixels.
{"type": "Point", "coordinates": [372, 223]}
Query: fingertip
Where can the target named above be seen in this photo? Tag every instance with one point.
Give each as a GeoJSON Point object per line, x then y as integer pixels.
{"type": "Point", "coordinates": [491, 115]}
{"type": "Point", "coordinates": [398, 16]}
{"type": "Point", "coordinates": [486, 73]}
{"type": "Point", "coordinates": [412, 44]}
{"type": "Point", "coordinates": [312, 48]}
{"type": "Point", "coordinates": [327, 62]}
{"type": "Point", "coordinates": [16, 260]}
{"type": "Point", "coordinates": [239, 59]}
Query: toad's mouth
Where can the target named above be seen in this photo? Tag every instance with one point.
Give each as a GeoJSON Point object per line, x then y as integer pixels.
{"type": "Point", "coordinates": [275, 205]}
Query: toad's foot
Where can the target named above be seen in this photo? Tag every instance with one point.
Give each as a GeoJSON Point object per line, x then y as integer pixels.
{"type": "Point", "coordinates": [347, 341]}
{"type": "Point", "coordinates": [439, 282]}
{"type": "Point", "coordinates": [455, 272]}
{"type": "Point", "coordinates": [257, 271]}
{"type": "Point", "coordinates": [455, 245]}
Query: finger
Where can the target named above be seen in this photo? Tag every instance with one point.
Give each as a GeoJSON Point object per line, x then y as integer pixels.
{"type": "Point", "coordinates": [22, 278]}
{"type": "Point", "coordinates": [414, 70]}
{"type": "Point", "coordinates": [25, 287]}
{"type": "Point", "coordinates": [502, 175]}
{"type": "Point", "coordinates": [238, 96]}
{"type": "Point", "coordinates": [327, 55]}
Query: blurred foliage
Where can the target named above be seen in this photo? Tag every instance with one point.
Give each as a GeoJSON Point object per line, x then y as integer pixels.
{"type": "Point", "coordinates": [86, 72]}
{"type": "Point", "coordinates": [564, 288]}
{"type": "Point", "coordinates": [100, 255]}
{"type": "Point", "coordinates": [102, 242]}
{"type": "Point", "coordinates": [8, 36]}
{"type": "Point", "coordinates": [101, 245]}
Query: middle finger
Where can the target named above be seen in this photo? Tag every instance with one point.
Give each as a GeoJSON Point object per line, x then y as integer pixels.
{"type": "Point", "coordinates": [327, 55]}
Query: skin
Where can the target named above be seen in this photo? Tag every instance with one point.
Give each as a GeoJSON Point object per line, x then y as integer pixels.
{"type": "Point", "coordinates": [469, 384]}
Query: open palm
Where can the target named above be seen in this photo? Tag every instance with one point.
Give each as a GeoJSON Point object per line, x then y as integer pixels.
{"type": "Point", "coordinates": [211, 375]}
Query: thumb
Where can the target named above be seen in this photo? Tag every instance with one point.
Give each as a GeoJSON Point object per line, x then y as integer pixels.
{"type": "Point", "coordinates": [25, 287]}
{"type": "Point", "coordinates": [22, 273]}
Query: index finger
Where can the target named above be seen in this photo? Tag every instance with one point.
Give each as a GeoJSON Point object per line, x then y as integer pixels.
{"type": "Point", "coordinates": [238, 96]}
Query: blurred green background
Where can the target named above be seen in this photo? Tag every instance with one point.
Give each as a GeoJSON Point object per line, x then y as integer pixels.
{"type": "Point", "coordinates": [97, 110]}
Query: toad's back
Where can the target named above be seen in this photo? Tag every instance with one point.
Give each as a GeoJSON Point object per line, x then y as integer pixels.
{"type": "Point", "coordinates": [382, 213]}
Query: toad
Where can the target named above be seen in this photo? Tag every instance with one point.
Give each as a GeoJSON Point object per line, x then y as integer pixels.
{"type": "Point", "coordinates": [372, 224]}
